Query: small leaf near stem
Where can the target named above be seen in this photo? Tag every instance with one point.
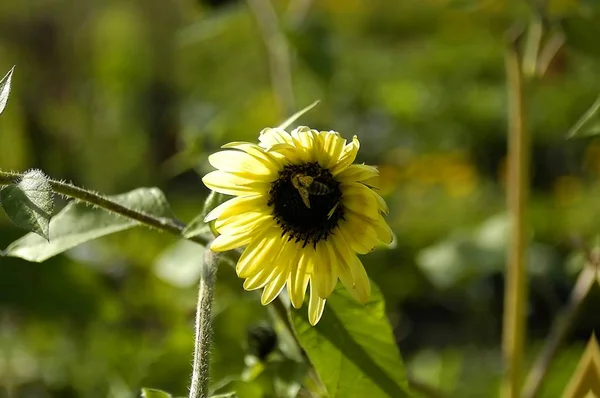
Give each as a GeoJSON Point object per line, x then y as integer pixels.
{"type": "Point", "coordinates": [297, 115]}
{"type": "Point", "coordinates": [198, 226]}
{"type": "Point", "coordinates": [5, 89]}
{"type": "Point", "coordinates": [152, 393]}
{"type": "Point", "coordinates": [29, 204]}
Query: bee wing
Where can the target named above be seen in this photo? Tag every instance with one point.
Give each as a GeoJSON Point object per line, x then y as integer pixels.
{"type": "Point", "coordinates": [304, 196]}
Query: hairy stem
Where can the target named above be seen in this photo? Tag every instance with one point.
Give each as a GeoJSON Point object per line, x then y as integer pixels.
{"type": "Point", "coordinates": [95, 199]}
{"type": "Point", "coordinates": [515, 292]}
{"type": "Point", "coordinates": [206, 292]}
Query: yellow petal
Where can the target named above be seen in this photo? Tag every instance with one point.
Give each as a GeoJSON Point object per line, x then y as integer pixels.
{"type": "Point", "coordinates": [259, 254]}
{"type": "Point", "coordinates": [229, 184]}
{"type": "Point", "coordinates": [362, 285]}
{"type": "Point", "coordinates": [357, 172]}
{"type": "Point", "coordinates": [237, 205]}
{"type": "Point", "coordinates": [271, 136]}
{"type": "Point", "coordinates": [316, 305]}
{"type": "Point", "coordinates": [273, 288]}
{"type": "Point", "coordinates": [383, 230]}
{"type": "Point", "coordinates": [350, 270]}
{"type": "Point", "coordinates": [358, 234]}
{"type": "Point", "coordinates": [332, 146]}
{"type": "Point", "coordinates": [228, 242]}
{"type": "Point", "coordinates": [272, 266]}
{"type": "Point", "coordinates": [304, 141]}
{"type": "Point", "coordinates": [243, 165]}
{"type": "Point", "coordinates": [348, 156]}
{"type": "Point", "coordinates": [298, 279]}
{"type": "Point", "coordinates": [323, 278]}
{"type": "Point", "coordinates": [360, 199]}
{"type": "Point", "coordinates": [285, 153]}
{"type": "Point", "coordinates": [254, 150]}
{"type": "Point", "coordinates": [383, 207]}
{"type": "Point", "coordinates": [257, 280]}
{"type": "Point", "coordinates": [265, 275]}
{"type": "Point", "coordinates": [239, 223]}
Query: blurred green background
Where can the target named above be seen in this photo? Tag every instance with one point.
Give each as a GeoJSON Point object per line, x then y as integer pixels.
{"type": "Point", "coordinates": [114, 95]}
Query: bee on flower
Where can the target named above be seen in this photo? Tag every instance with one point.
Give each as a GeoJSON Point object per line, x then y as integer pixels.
{"type": "Point", "coordinates": [302, 210]}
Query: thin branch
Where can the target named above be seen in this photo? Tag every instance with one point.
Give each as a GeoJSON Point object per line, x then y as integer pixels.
{"type": "Point", "coordinates": [549, 52]}
{"type": "Point", "coordinates": [95, 199]}
{"type": "Point", "coordinates": [515, 293]}
{"type": "Point", "coordinates": [277, 52]}
{"type": "Point", "coordinates": [559, 331]}
{"type": "Point", "coordinates": [206, 292]}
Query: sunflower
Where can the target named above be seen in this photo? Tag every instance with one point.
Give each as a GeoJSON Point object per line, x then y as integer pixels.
{"type": "Point", "coordinates": [302, 209]}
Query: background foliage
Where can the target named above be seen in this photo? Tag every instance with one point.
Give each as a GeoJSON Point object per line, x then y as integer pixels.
{"type": "Point", "coordinates": [119, 94]}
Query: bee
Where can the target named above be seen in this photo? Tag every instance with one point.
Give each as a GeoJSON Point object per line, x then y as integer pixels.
{"type": "Point", "coordinates": [306, 185]}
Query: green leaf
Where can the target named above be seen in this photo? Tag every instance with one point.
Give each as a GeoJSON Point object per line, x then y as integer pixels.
{"type": "Point", "coordinates": [5, 89]}
{"type": "Point", "coordinates": [78, 223]}
{"type": "Point", "coordinates": [28, 204]}
{"type": "Point", "coordinates": [297, 115]}
{"type": "Point", "coordinates": [198, 226]}
{"type": "Point", "coordinates": [352, 348]}
{"type": "Point", "coordinates": [151, 393]}
{"type": "Point", "coordinates": [589, 123]}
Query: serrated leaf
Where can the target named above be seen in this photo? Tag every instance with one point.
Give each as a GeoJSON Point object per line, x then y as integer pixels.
{"type": "Point", "coordinates": [297, 115]}
{"type": "Point", "coordinates": [589, 123]}
{"type": "Point", "coordinates": [353, 348]}
{"type": "Point", "coordinates": [152, 393]}
{"type": "Point", "coordinates": [78, 223]}
{"type": "Point", "coordinates": [5, 89]}
{"type": "Point", "coordinates": [28, 204]}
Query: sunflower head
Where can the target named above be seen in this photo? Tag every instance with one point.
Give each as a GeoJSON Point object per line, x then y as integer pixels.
{"type": "Point", "coordinates": [302, 210]}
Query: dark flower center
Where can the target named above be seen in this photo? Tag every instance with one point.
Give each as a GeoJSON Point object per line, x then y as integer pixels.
{"type": "Point", "coordinates": [306, 202]}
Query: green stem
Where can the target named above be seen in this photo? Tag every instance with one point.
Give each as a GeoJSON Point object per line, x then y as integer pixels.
{"type": "Point", "coordinates": [277, 52]}
{"type": "Point", "coordinates": [95, 199]}
{"type": "Point", "coordinates": [206, 292]}
{"type": "Point", "coordinates": [515, 293]}
{"type": "Point", "coordinates": [559, 330]}
{"type": "Point", "coordinates": [200, 375]}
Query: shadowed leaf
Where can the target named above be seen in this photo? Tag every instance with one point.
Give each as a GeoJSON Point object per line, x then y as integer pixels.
{"type": "Point", "coordinates": [352, 348]}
